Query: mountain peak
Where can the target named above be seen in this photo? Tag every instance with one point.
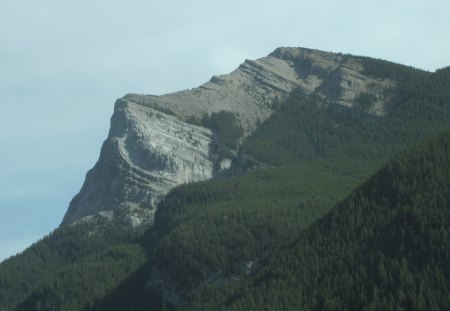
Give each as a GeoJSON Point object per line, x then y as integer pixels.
{"type": "Point", "coordinates": [287, 52]}
{"type": "Point", "coordinates": [296, 53]}
{"type": "Point", "coordinates": [159, 142]}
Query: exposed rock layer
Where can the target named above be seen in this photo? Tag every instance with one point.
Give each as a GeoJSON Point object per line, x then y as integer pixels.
{"type": "Point", "coordinates": [152, 145]}
{"type": "Point", "coordinates": [146, 154]}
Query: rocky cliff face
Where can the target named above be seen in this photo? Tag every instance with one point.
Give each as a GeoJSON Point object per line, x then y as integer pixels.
{"type": "Point", "coordinates": [146, 154]}
{"type": "Point", "coordinates": [153, 145]}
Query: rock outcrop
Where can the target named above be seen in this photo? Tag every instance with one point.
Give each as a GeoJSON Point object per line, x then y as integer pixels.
{"type": "Point", "coordinates": [146, 154]}
{"type": "Point", "coordinates": [154, 146]}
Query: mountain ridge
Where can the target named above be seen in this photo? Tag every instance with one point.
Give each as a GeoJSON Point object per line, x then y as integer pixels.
{"type": "Point", "coordinates": [208, 244]}
{"type": "Point", "coordinates": [122, 180]}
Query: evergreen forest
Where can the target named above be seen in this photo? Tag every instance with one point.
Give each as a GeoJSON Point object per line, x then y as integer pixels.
{"type": "Point", "coordinates": [350, 212]}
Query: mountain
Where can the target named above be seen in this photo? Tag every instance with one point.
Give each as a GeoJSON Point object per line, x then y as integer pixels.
{"type": "Point", "coordinates": [159, 142]}
{"type": "Point", "coordinates": [224, 195]}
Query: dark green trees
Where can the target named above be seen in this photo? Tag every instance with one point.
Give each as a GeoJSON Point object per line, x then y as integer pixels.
{"type": "Point", "coordinates": [307, 233]}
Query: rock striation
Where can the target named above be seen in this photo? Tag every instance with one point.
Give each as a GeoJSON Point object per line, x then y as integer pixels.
{"type": "Point", "coordinates": [145, 155]}
{"type": "Point", "coordinates": [154, 145]}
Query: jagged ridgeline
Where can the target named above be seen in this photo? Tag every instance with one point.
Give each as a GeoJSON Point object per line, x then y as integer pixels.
{"type": "Point", "coordinates": [233, 193]}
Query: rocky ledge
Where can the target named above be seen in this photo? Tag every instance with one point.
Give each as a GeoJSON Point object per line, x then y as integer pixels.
{"type": "Point", "coordinates": [146, 154]}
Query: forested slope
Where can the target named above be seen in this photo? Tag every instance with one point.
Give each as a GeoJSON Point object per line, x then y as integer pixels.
{"type": "Point", "coordinates": [71, 267]}
{"type": "Point", "coordinates": [271, 238]}
{"type": "Point", "coordinates": [384, 248]}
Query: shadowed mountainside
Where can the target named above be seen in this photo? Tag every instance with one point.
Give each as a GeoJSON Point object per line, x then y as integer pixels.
{"type": "Point", "coordinates": [266, 215]}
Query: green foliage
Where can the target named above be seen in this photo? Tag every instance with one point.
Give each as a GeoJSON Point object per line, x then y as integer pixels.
{"type": "Point", "coordinates": [79, 285]}
{"type": "Point", "coordinates": [385, 247]}
{"type": "Point", "coordinates": [225, 125]}
{"type": "Point", "coordinates": [407, 77]}
{"type": "Point", "coordinates": [365, 101]}
{"type": "Point", "coordinates": [253, 215]}
{"type": "Point", "coordinates": [305, 129]}
{"type": "Point", "coordinates": [312, 134]}
{"type": "Point", "coordinates": [68, 268]}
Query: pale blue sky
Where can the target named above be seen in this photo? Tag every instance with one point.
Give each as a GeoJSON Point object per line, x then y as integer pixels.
{"type": "Point", "coordinates": [63, 63]}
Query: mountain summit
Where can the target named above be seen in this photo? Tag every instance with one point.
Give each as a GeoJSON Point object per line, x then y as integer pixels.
{"type": "Point", "coordinates": [275, 186]}
{"type": "Point", "coordinates": [156, 143]}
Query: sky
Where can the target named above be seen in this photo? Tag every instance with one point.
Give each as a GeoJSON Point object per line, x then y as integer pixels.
{"type": "Point", "coordinates": [64, 63]}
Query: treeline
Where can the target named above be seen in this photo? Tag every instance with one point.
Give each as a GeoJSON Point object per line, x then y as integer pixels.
{"type": "Point", "coordinates": [305, 129]}
{"type": "Point", "coordinates": [71, 267]}
{"type": "Point", "coordinates": [268, 240]}
{"type": "Point", "coordinates": [211, 230]}
{"type": "Point", "coordinates": [384, 248]}
{"type": "Point", "coordinates": [226, 125]}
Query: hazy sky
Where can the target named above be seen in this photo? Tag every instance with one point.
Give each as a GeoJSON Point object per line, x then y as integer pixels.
{"type": "Point", "coordinates": [63, 63]}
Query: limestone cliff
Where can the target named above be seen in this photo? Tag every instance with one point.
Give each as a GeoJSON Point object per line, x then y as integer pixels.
{"type": "Point", "coordinates": [154, 146]}
{"type": "Point", "coordinates": [146, 154]}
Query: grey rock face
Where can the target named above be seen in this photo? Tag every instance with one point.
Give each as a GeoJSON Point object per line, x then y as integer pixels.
{"type": "Point", "coordinates": [153, 146]}
{"type": "Point", "coordinates": [250, 92]}
{"type": "Point", "coordinates": [145, 155]}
